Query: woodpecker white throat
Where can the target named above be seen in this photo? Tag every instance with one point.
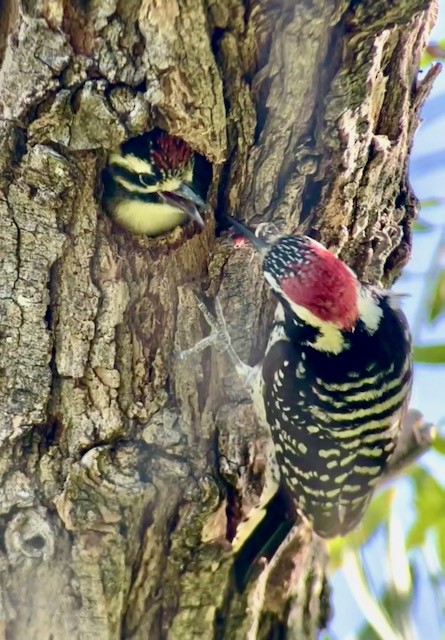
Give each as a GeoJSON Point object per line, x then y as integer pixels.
{"type": "Point", "coordinates": [149, 184]}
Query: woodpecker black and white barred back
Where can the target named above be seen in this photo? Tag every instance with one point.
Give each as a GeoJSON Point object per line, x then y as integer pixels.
{"type": "Point", "coordinates": [149, 185]}
{"type": "Point", "coordinates": [333, 385]}
{"type": "Point", "coordinates": [335, 381]}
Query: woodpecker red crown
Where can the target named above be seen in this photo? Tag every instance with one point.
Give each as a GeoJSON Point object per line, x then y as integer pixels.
{"type": "Point", "coordinates": [170, 153]}
{"type": "Point", "coordinates": [312, 277]}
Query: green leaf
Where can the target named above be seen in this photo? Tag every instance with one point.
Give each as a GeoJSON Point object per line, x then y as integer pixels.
{"type": "Point", "coordinates": [431, 202]}
{"type": "Point", "coordinates": [377, 514]}
{"type": "Point", "coordinates": [397, 611]}
{"type": "Point", "coordinates": [439, 444]}
{"type": "Point", "coordinates": [430, 354]}
{"type": "Point", "coordinates": [437, 302]}
{"type": "Point", "coordinates": [440, 540]}
{"type": "Point", "coordinates": [420, 477]}
{"type": "Point", "coordinates": [433, 51]}
{"type": "Point", "coordinates": [421, 225]}
{"type": "Point", "coordinates": [366, 632]}
{"type": "Point", "coordinates": [429, 499]}
{"type": "Point", "coordinates": [336, 548]}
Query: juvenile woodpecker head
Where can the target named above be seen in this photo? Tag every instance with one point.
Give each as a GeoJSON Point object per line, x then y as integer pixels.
{"type": "Point", "coordinates": [148, 184]}
{"type": "Point", "coordinates": [317, 286]}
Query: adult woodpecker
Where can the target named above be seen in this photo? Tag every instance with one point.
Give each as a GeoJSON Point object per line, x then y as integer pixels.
{"type": "Point", "coordinates": [332, 387]}
{"type": "Point", "coordinates": [149, 184]}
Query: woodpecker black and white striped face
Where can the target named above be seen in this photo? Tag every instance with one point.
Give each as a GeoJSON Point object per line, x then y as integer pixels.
{"type": "Point", "coordinates": [319, 287]}
{"type": "Point", "coordinates": [148, 184]}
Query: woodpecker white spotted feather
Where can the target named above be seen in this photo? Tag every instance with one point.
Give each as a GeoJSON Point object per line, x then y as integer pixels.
{"type": "Point", "coordinates": [149, 184]}
{"type": "Point", "coordinates": [332, 387]}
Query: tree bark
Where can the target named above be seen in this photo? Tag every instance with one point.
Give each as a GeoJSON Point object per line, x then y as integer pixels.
{"type": "Point", "coordinates": [123, 470]}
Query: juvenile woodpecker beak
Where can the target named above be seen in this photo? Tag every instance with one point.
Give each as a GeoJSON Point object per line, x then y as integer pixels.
{"type": "Point", "coordinates": [259, 243]}
{"type": "Point", "coordinates": [187, 200]}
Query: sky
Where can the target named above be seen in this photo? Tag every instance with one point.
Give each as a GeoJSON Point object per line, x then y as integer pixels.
{"type": "Point", "coordinates": [427, 176]}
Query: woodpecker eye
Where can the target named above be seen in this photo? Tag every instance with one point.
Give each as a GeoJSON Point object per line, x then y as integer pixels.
{"type": "Point", "coordinates": [147, 179]}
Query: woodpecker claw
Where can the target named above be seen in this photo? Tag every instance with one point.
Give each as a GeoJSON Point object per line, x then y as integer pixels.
{"type": "Point", "coordinates": [219, 338]}
{"type": "Point", "coordinates": [266, 230]}
{"type": "Point", "coordinates": [218, 326]}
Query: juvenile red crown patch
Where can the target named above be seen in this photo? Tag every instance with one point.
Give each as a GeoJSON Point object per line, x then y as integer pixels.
{"type": "Point", "coordinates": [170, 153]}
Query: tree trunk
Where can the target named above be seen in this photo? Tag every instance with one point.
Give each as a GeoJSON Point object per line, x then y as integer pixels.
{"type": "Point", "coordinates": [124, 470]}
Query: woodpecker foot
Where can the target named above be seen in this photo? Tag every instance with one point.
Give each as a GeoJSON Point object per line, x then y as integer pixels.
{"type": "Point", "coordinates": [416, 437]}
{"type": "Point", "coordinates": [266, 230]}
{"type": "Point", "coordinates": [219, 338]}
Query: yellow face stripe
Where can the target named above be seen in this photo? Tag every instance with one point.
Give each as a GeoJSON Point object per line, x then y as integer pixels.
{"type": "Point", "coordinates": [130, 162]}
{"type": "Point", "coordinates": [142, 166]}
{"type": "Point", "coordinates": [167, 185]}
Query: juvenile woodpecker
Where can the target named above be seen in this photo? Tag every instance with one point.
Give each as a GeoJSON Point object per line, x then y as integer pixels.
{"type": "Point", "coordinates": [332, 387]}
{"type": "Point", "coordinates": [149, 184]}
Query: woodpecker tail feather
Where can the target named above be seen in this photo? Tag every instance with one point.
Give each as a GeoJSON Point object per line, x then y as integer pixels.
{"type": "Point", "coordinates": [263, 542]}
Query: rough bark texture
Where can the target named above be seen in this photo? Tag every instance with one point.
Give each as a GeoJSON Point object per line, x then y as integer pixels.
{"type": "Point", "coordinates": [122, 469]}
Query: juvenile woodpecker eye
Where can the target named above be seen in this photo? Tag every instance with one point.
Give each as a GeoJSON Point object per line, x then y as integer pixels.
{"type": "Point", "coordinates": [147, 179]}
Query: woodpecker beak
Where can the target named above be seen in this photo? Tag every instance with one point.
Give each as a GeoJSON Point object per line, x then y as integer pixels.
{"type": "Point", "coordinates": [259, 243]}
{"type": "Point", "coordinates": [187, 200]}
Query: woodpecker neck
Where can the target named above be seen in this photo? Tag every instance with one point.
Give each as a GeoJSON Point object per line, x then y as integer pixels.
{"type": "Point", "coordinates": [300, 325]}
{"type": "Point", "coordinates": [369, 307]}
